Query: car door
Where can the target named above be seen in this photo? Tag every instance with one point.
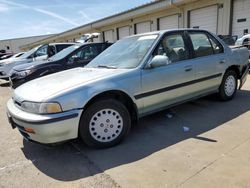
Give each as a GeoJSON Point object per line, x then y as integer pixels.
{"type": "Point", "coordinates": [171, 83]}
{"type": "Point", "coordinates": [209, 61]}
{"type": "Point", "coordinates": [83, 56]}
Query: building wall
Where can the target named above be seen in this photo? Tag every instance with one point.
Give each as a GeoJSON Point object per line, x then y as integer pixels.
{"type": "Point", "coordinates": [13, 45]}
{"type": "Point", "coordinates": [150, 13]}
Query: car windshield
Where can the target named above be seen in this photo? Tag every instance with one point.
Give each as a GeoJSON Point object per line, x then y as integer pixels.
{"type": "Point", "coordinates": [64, 53]}
{"type": "Point", "coordinates": [28, 53]}
{"type": "Point", "coordinates": [124, 54]}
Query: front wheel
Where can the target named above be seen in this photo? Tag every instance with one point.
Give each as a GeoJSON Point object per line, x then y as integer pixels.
{"type": "Point", "coordinates": [104, 123]}
{"type": "Point", "coordinates": [228, 86]}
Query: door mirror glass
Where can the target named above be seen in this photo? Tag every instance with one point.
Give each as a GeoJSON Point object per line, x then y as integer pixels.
{"type": "Point", "coordinates": [158, 61]}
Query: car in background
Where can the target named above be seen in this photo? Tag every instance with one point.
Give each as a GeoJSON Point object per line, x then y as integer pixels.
{"type": "Point", "coordinates": [136, 76]}
{"type": "Point", "coordinates": [12, 56]}
{"type": "Point", "coordinates": [6, 56]}
{"type": "Point", "coordinates": [18, 54]}
{"type": "Point", "coordinates": [244, 41]}
{"type": "Point", "coordinates": [228, 39]}
{"type": "Point", "coordinates": [4, 53]}
{"type": "Point", "coordinates": [39, 53]}
{"type": "Point", "coordinates": [77, 55]}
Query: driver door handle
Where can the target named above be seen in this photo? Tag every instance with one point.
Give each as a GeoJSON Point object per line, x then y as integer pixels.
{"type": "Point", "coordinates": [188, 68]}
{"type": "Point", "coordinates": [223, 61]}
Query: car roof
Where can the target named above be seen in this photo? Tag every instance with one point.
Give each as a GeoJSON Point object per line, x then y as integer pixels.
{"type": "Point", "coordinates": [91, 43]}
{"type": "Point", "coordinates": [168, 30]}
{"type": "Point", "coordinates": [62, 43]}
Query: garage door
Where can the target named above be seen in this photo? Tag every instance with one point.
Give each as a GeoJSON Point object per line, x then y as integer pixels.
{"type": "Point", "coordinates": [204, 18]}
{"type": "Point", "coordinates": [168, 22]}
{"type": "Point", "coordinates": [143, 27]}
{"type": "Point", "coordinates": [109, 36]}
{"type": "Point", "coordinates": [241, 17]}
{"type": "Point", "coordinates": [123, 32]}
{"type": "Point", "coordinates": [97, 39]}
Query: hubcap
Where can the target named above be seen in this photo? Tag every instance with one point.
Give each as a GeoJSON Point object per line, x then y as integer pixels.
{"type": "Point", "coordinates": [106, 125]}
{"type": "Point", "coordinates": [230, 85]}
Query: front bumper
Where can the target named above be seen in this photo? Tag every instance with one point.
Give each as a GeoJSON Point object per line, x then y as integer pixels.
{"type": "Point", "coordinates": [48, 129]}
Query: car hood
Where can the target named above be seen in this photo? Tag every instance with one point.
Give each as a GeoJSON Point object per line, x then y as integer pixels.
{"type": "Point", "coordinates": [10, 60]}
{"type": "Point", "coordinates": [28, 66]}
{"type": "Point", "coordinates": [45, 87]}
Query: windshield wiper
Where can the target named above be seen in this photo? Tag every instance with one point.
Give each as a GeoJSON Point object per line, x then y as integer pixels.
{"type": "Point", "coordinates": [107, 67]}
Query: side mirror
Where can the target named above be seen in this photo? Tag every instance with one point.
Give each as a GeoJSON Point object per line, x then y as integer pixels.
{"type": "Point", "coordinates": [158, 61]}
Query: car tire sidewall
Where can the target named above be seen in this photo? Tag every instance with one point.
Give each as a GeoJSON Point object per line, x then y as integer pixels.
{"type": "Point", "coordinates": [89, 113]}
{"type": "Point", "coordinates": [222, 92]}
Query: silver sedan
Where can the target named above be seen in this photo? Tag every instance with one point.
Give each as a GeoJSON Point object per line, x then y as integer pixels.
{"type": "Point", "coordinates": [136, 76]}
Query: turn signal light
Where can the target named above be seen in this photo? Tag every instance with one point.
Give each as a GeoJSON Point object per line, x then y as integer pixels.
{"type": "Point", "coordinates": [29, 130]}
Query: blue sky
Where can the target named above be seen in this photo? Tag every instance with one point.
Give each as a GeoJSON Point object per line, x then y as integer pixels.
{"type": "Point", "coordinates": [21, 18]}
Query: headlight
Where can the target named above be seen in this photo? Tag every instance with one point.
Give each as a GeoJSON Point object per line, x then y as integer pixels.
{"type": "Point", "coordinates": [41, 108]}
{"type": "Point", "coordinates": [22, 74]}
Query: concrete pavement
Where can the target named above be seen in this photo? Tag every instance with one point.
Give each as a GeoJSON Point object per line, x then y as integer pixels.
{"type": "Point", "coordinates": [157, 153]}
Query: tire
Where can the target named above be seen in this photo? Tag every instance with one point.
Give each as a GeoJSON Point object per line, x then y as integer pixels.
{"type": "Point", "coordinates": [105, 123]}
{"type": "Point", "coordinates": [228, 86]}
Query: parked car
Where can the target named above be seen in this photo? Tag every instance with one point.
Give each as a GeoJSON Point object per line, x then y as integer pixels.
{"type": "Point", "coordinates": [244, 41]}
{"type": "Point", "coordinates": [6, 56]}
{"type": "Point", "coordinates": [11, 56]}
{"type": "Point", "coordinates": [77, 55]}
{"type": "Point", "coordinates": [18, 54]}
{"type": "Point", "coordinates": [136, 76]}
{"type": "Point", "coordinates": [39, 53]}
{"type": "Point", "coordinates": [2, 54]}
{"type": "Point", "coordinates": [228, 39]}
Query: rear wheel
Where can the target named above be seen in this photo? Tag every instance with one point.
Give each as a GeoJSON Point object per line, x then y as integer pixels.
{"type": "Point", "coordinates": [104, 123]}
{"type": "Point", "coordinates": [228, 86]}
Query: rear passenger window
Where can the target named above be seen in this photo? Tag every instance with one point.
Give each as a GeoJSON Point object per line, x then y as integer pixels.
{"type": "Point", "coordinates": [173, 47]}
{"type": "Point", "coordinates": [60, 47]}
{"type": "Point", "coordinates": [201, 44]}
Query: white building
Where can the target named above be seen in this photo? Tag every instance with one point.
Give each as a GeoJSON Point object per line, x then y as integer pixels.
{"type": "Point", "coordinates": [13, 45]}
{"type": "Point", "coordinates": [222, 17]}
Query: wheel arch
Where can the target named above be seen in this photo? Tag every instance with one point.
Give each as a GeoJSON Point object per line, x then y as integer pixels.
{"type": "Point", "coordinates": [235, 68]}
{"type": "Point", "coordinates": [119, 95]}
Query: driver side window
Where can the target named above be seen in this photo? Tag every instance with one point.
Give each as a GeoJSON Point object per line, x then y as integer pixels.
{"type": "Point", "coordinates": [173, 46]}
{"type": "Point", "coordinates": [75, 57]}
{"type": "Point", "coordinates": [84, 55]}
{"type": "Point", "coordinates": [42, 51]}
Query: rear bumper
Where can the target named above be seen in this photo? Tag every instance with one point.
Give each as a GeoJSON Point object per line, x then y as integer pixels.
{"type": "Point", "coordinates": [244, 75]}
{"type": "Point", "coordinates": [47, 129]}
